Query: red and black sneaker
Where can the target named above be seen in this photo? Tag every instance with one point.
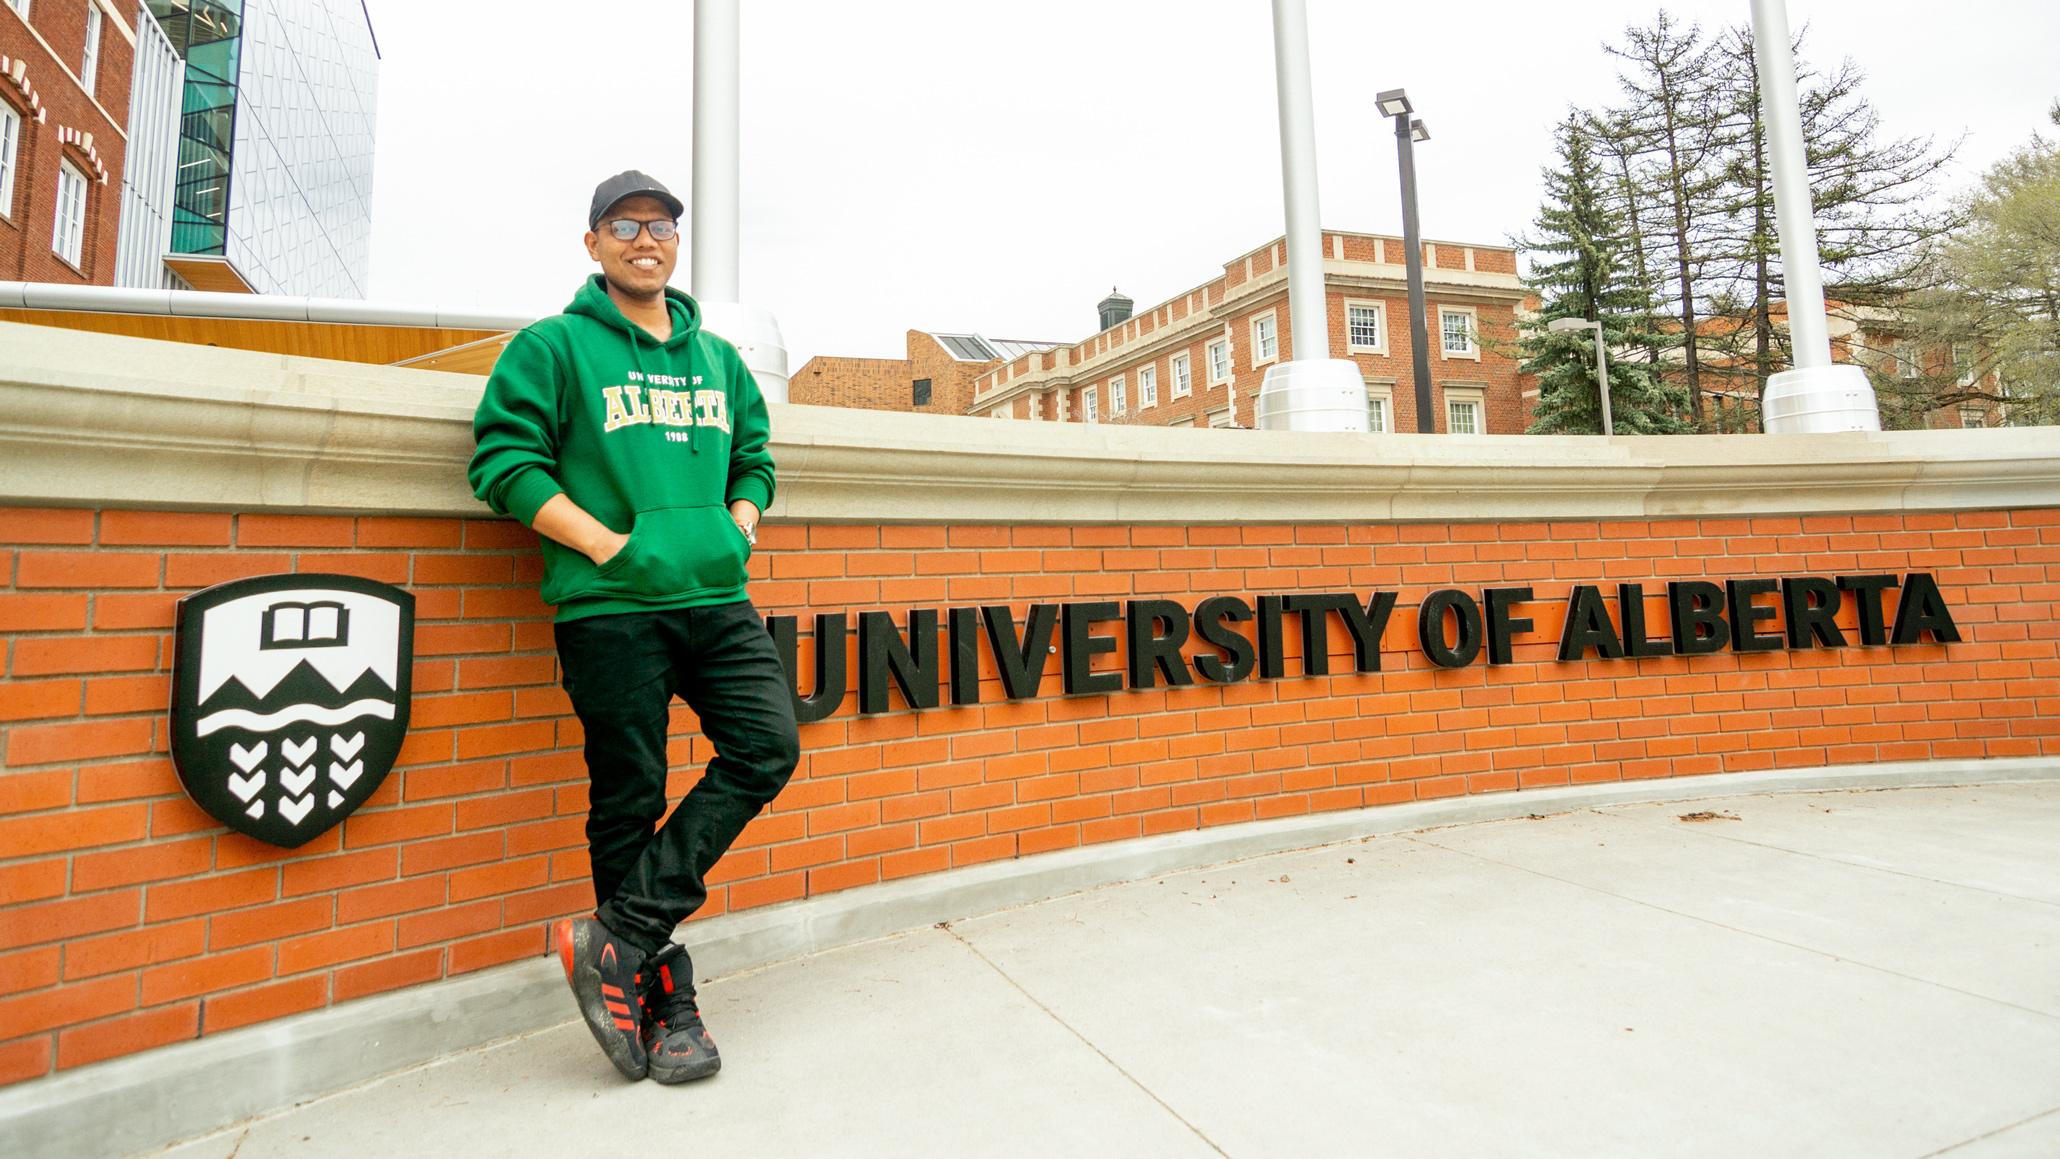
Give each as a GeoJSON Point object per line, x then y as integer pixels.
{"type": "Point", "coordinates": [604, 973]}
{"type": "Point", "coordinates": [674, 1039]}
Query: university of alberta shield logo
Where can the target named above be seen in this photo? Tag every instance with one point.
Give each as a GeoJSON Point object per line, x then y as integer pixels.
{"type": "Point", "coordinates": [290, 699]}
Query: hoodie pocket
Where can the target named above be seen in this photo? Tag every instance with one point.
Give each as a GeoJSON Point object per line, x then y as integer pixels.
{"type": "Point", "coordinates": [673, 552]}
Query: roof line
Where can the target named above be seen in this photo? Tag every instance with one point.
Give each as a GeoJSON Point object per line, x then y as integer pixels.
{"type": "Point", "coordinates": [247, 307]}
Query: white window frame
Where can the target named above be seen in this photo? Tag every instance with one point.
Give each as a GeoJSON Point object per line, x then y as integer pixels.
{"type": "Point", "coordinates": [1119, 398]}
{"type": "Point", "coordinates": [1973, 418]}
{"type": "Point", "coordinates": [1467, 396]}
{"type": "Point", "coordinates": [69, 243]}
{"type": "Point", "coordinates": [1380, 315]}
{"type": "Point", "coordinates": [1220, 346]}
{"type": "Point", "coordinates": [1473, 333]}
{"type": "Point", "coordinates": [1967, 375]}
{"type": "Point", "coordinates": [1183, 376]}
{"type": "Point", "coordinates": [1090, 405]}
{"type": "Point", "coordinates": [1908, 363]}
{"type": "Point", "coordinates": [10, 152]}
{"type": "Point", "coordinates": [1383, 394]}
{"type": "Point", "coordinates": [1265, 329]}
{"type": "Point", "coordinates": [1222, 416]}
{"type": "Point", "coordinates": [89, 61]}
{"type": "Point", "coordinates": [1147, 387]}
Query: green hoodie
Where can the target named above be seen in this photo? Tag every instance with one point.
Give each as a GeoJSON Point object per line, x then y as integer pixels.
{"type": "Point", "coordinates": [654, 439]}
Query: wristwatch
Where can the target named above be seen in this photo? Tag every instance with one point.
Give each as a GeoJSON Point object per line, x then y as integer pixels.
{"type": "Point", "coordinates": [750, 533]}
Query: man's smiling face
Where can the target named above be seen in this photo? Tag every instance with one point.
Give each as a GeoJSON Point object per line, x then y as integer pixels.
{"type": "Point", "coordinates": [640, 267]}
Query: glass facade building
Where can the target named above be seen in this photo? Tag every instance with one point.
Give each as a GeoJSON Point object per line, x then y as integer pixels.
{"type": "Point", "coordinates": [276, 128]}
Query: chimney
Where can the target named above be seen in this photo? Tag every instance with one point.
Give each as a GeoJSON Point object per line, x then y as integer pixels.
{"type": "Point", "coordinates": [1115, 308]}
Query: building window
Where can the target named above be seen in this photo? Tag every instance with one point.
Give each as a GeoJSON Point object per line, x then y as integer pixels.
{"type": "Point", "coordinates": [1182, 421]}
{"type": "Point", "coordinates": [1457, 328]}
{"type": "Point", "coordinates": [1221, 417]}
{"type": "Point", "coordinates": [1963, 364]}
{"type": "Point", "coordinates": [1363, 327]}
{"type": "Point", "coordinates": [1462, 417]}
{"type": "Point", "coordinates": [10, 139]}
{"type": "Point", "coordinates": [89, 63]}
{"type": "Point", "coordinates": [1380, 409]}
{"type": "Point", "coordinates": [1183, 377]}
{"type": "Point", "coordinates": [1119, 401]}
{"type": "Point", "coordinates": [1906, 361]}
{"type": "Point", "coordinates": [1147, 386]}
{"type": "Point", "coordinates": [1972, 418]}
{"type": "Point", "coordinates": [1219, 362]}
{"type": "Point", "coordinates": [1090, 406]}
{"type": "Point", "coordinates": [922, 392]}
{"type": "Point", "coordinates": [1265, 340]}
{"type": "Point", "coordinates": [70, 236]}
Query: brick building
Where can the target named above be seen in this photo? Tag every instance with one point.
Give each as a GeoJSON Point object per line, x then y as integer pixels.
{"type": "Point", "coordinates": [1198, 358]}
{"type": "Point", "coordinates": [64, 105]}
{"type": "Point", "coordinates": [936, 377]}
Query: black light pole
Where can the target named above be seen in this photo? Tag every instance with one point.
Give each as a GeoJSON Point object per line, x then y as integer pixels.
{"type": "Point", "coordinates": [1408, 131]}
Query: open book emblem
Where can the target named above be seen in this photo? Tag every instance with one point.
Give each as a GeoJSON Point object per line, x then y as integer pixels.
{"type": "Point", "coordinates": [276, 678]}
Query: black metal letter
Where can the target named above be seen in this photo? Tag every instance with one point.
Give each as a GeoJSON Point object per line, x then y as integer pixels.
{"type": "Point", "coordinates": [1873, 630]}
{"type": "Point", "coordinates": [1805, 618]}
{"type": "Point", "coordinates": [913, 665]}
{"type": "Point", "coordinates": [962, 628]}
{"type": "Point", "coordinates": [1588, 626]}
{"type": "Point", "coordinates": [1315, 609]}
{"type": "Point", "coordinates": [1745, 618]}
{"type": "Point", "coordinates": [1021, 662]}
{"type": "Point", "coordinates": [1080, 647]}
{"type": "Point", "coordinates": [1148, 648]}
{"type": "Point", "coordinates": [1631, 610]}
{"type": "Point", "coordinates": [829, 664]}
{"type": "Point", "coordinates": [1501, 625]}
{"type": "Point", "coordinates": [1208, 624]}
{"type": "Point", "coordinates": [1923, 609]}
{"type": "Point", "coordinates": [1697, 610]}
{"type": "Point", "coordinates": [1272, 658]}
{"type": "Point", "coordinates": [1430, 628]}
{"type": "Point", "coordinates": [1367, 625]}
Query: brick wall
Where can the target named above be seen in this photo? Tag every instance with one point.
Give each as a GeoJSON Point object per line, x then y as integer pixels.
{"type": "Point", "coordinates": [129, 919]}
{"type": "Point", "coordinates": [888, 383]}
{"type": "Point", "coordinates": [27, 225]}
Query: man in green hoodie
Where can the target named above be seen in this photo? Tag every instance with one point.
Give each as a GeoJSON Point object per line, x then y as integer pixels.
{"type": "Point", "coordinates": [634, 443]}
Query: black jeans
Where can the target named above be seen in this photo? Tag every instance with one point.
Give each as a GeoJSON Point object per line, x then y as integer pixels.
{"type": "Point", "coordinates": [622, 672]}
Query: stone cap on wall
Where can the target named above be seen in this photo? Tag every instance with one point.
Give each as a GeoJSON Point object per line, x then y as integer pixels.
{"type": "Point", "coordinates": [90, 419]}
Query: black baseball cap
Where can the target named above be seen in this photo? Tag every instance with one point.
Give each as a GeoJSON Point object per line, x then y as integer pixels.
{"type": "Point", "coordinates": [630, 183]}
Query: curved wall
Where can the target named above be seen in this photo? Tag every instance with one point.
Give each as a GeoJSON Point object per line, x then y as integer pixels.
{"type": "Point", "coordinates": [132, 472]}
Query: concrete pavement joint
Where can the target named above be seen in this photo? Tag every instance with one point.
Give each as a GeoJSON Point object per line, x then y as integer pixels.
{"type": "Point", "coordinates": [1735, 929]}
{"type": "Point", "coordinates": [1990, 1134]}
{"type": "Point", "coordinates": [1719, 835]}
{"type": "Point", "coordinates": [1084, 1041]}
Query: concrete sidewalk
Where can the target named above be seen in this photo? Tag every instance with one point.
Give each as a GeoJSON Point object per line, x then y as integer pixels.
{"type": "Point", "coordinates": [1828, 974]}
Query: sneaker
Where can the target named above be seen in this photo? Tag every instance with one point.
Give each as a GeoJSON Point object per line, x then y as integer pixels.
{"type": "Point", "coordinates": [674, 1039]}
{"type": "Point", "coordinates": [603, 970]}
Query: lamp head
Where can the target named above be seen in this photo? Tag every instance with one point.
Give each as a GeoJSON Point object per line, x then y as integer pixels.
{"type": "Point", "coordinates": [1393, 103]}
{"type": "Point", "coordinates": [1569, 325]}
{"type": "Point", "coordinates": [1417, 132]}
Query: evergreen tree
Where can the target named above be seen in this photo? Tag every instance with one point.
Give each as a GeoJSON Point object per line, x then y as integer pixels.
{"type": "Point", "coordinates": [1593, 277]}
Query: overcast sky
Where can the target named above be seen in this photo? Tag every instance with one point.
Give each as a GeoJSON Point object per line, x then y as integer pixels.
{"type": "Point", "coordinates": [997, 166]}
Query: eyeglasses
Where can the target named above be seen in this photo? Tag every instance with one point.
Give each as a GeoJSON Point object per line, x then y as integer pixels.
{"type": "Point", "coordinates": [626, 229]}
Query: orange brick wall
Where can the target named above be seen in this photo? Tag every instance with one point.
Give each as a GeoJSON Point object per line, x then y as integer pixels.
{"type": "Point", "coordinates": [889, 383]}
{"type": "Point", "coordinates": [129, 919]}
{"type": "Point", "coordinates": [27, 225]}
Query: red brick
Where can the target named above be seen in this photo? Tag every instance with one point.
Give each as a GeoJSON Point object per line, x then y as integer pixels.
{"type": "Point", "coordinates": [87, 569]}
{"type": "Point", "coordinates": [26, 1059]}
{"type": "Point", "coordinates": [388, 973]}
{"type": "Point", "coordinates": [34, 699]}
{"type": "Point", "coordinates": [295, 531]}
{"type": "Point", "coordinates": [154, 862]}
{"type": "Point", "coordinates": [224, 891]}
{"type": "Point", "coordinates": [320, 951]}
{"type": "Point", "coordinates": [35, 1012]}
{"type": "Point", "coordinates": [150, 946]}
{"type": "Point", "coordinates": [448, 924]}
{"type": "Point", "coordinates": [263, 1003]}
{"type": "Point", "coordinates": [200, 570]}
{"type": "Point", "coordinates": [45, 525]}
{"type": "Point", "coordinates": [75, 829]}
{"type": "Point", "coordinates": [53, 655]}
{"type": "Point", "coordinates": [42, 612]}
{"type": "Point", "coordinates": [496, 949]}
{"type": "Point", "coordinates": [127, 1035]}
{"type": "Point", "coordinates": [270, 922]}
{"type": "Point", "coordinates": [117, 611]}
{"type": "Point", "coordinates": [30, 969]}
{"type": "Point", "coordinates": [164, 528]}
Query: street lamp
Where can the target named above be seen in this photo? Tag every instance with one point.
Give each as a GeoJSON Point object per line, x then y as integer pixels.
{"type": "Point", "coordinates": [1571, 325]}
{"type": "Point", "coordinates": [1408, 130]}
